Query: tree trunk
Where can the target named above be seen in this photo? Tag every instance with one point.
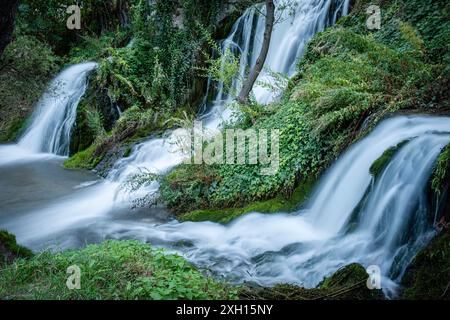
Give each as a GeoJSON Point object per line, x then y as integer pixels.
{"type": "Point", "coordinates": [8, 9]}
{"type": "Point", "coordinates": [243, 96]}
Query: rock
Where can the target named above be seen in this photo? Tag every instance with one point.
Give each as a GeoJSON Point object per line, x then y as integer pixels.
{"type": "Point", "coordinates": [428, 277]}
{"type": "Point", "coordinates": [10, 250]}
{"type": "Point", "coordinates": [348, 283]}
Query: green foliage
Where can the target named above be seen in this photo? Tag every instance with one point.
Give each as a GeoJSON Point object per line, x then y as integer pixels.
{"type": "Point", "coordinates": [113, 270]}
{"type": "Point", "coordinates": [13, 129]}
{"type": "Point", "coordinates": [95, 123]}
{"type": "Point", "coordinates": [96, 47]}
{"type": "Point", "coordinates": [278, 204]}
{"type": "Point", "coordinates": [223, 68]}
{"type": "Point", "coordinates": [139, 181]}
{"type": "Point", "coordinates": [46, 20]}
{"type": "Point", "coordinates": [155, 77]}
{"type": "Point", "coordinates": [343, 78]}
{"type": "Point", "coordinates": [441, 174]}
{"type": "Point", "coordinates": [25, 68]}
{"type": "Point", "coordinates": [10, 250]}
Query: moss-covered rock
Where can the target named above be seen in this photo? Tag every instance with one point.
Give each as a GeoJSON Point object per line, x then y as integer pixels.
{"type": "Point", "coordinates": [281, 203]}
{"type": "Point", "coordinates": [441, 174]}
{"type": "Point", "coordinates": [85, 159]}
{"type": "Point", "coordinates": [348, 283]}
{"type": "Point", "coordinates": [10, 250]}
{"type": "Point", "coordinates": [428, 277]}
{"type": "Point", "coordinates": [380, 164]}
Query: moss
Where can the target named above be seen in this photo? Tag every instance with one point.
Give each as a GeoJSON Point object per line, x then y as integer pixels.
{"type": "Point", "coordinates": [428, 277]}
{"type": "Point", "coordinates": [278, 204]}
{"type": "Point", "coordinates": [10, 250]}
{"type": "Point", "coordinates": [127, 152]}
{"type": "Point", "coordinates": [348, 283]}
{"type": "Point", "coordinates": [441, 173]}
{"type": "Point", "coordinates": [14, 130]}
{"type": "Point", "coordinates": [380, 164]}
{"type": "Point", "coordinates": [83, 160]}
{"type": "Point", "coordinates": [126, 270]}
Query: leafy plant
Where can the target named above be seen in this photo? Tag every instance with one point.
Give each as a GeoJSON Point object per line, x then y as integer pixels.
{"type": "Point", "coordinates": [112, 270]}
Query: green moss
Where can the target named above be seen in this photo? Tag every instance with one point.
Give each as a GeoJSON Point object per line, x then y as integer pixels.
{"type": "Point", "coordinates": [14, 130]}
{"type": "Point", "coordinates": [441, 173]}
{"type": "Point", "coordinates": [10, 250]}
{"type": "Point", "coordinates": [112, 270]}
{"type": "Point", "coordinates": [348, 283]}
{"type": "Point", "coordinates": [83, 160]}
{"type": "Point", "coordinates": [127, 152]}
{"type": "Point", "coordinates": [380, 164]}
{"type": "Point", "coordinates": [428, 277]}
{"type": "Point", "coordinates": [278, 204]}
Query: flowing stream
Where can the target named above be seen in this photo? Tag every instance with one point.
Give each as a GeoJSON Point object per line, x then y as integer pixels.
{"type": "Point", "coordinates": [351, 216]}
{"type": "Point", "coordinates": [48, 132]}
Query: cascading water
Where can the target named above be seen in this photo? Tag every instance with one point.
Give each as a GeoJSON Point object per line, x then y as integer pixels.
{"type": "Point", "coordinates": [350, 218]}
{"type": "Point", "coordinates": [290, 36]}
{"type": "Point", "coordinates": [55, 114]}
{"type": "Point", "coordinates": [48, 134]}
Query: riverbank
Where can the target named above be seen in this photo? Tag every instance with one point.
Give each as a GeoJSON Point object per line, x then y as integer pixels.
{"type": "Point", "coordinates": [131, 270]}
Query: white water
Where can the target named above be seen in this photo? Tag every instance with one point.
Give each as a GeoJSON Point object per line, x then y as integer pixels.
{"type": "Point", "coordinates": [290, 36]}
{"type": "Point", "coordinates": [48, 134]}
{"type": "Point", "coordinates": [350, 217]}
{"type": "Point", "coordinates": [388, 229]}
{"type": "Point", "coordinates": [55, 113]}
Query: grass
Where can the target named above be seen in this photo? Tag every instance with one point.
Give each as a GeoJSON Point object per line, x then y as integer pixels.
{"type": "Point", "coordinates": [112, 270]}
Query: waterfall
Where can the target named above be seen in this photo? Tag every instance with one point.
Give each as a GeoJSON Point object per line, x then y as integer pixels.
{"type": "Point", "coordinates": [291, 34]}
{"type": "Point", "coordinates": [159, 155]}
{"type": "Point", "coordinates": [350, 218]}
{"type": "Point", "coordinates": [55, 114]}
